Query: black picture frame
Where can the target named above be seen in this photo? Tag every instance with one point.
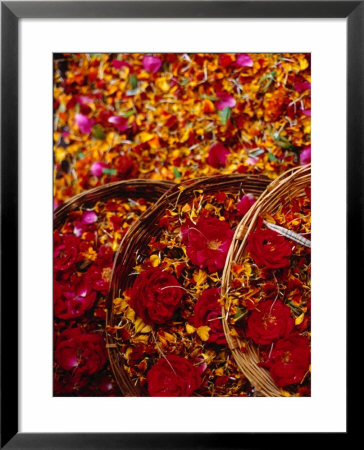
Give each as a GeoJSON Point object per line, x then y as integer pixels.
{"type": "Point", "coordinates": [11, 12]}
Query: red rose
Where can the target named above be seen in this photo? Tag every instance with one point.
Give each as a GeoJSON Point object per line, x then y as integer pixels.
{"type": "Point", "coordinates": [270, 321]}
{"type": "Point", "coordinates": [65, 251]}
{"type": "Point", "coordinates": [217, 155]}
{"type": "Point", "coordinates": [269, 249]}
{"type": "Point", "coordinates": [155, 296]}
{"type": "Point", "coordinates": [84, 353]}
{"type": "Point", "coordinates": [71, 301]}
{"type": "Point", "coordinates": [99, 278]}
{"type": "Point", "coordinates": [289, 360]}
{"type": "Point", "coordinates": [207, 242]}
{"type": "Point", "coordinates": [208, 312]}
{"type": "Point", "coordinates": [173, 376]}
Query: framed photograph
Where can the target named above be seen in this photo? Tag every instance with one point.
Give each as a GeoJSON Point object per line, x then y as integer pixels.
{"type": "Point", "coordinates": [156, 182]}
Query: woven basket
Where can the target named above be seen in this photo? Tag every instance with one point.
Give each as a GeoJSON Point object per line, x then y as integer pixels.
{"type": "Point", "coordinates": [291, 184]}
{"type": "Point", "coordinates": [134, 245]}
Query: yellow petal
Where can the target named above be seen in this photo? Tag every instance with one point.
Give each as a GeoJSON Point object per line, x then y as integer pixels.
{"type": "Point", "coordinates": [145, 137]}
{"type": "Point", "coordinates": [299, 319]}
{"type": "Point", "coordinates": [203, 332]}
{"type": "Point", "coordinates": [190, 329]}
{"type": "Point", "coordinates": [200, 277]}
{"type": "Point", "coordinates": [155, 261]}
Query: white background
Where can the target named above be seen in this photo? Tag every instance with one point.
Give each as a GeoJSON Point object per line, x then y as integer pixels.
{"type": "Point", "coordinates": [326, 409]}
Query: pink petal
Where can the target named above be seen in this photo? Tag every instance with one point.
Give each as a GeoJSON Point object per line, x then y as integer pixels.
{"type": "Point", "coordinates": [305, 156]}
{"type": "Point", "coordinates": [84, 99]}
{"type": "Point", "coordinates": [121, 123]}
{"type": "Point", "coordinates": [97, 168]}
{"type": "Point", "coordinates": [89, 217]}
{"type": "Point", "coordinates": [307, 112]}
{"type": "Point", "coordinates": [84, 123]}
{"type": "Point", "coordinates": [244, 60]}
{"type": "Point", "coordinates": [246, 202]}
{"type": "Point", "coordinates": [224, 101]}
{"type": "Point", "coordinates": [217, 155]}
{"type": "Point", "coordinates": [151, 63]}
{"type": "Point", "coordinates": [78, 229]}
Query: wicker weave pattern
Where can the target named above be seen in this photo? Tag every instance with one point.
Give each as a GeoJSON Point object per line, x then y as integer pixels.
{"type": "Point", "coordinates": [289, 185]}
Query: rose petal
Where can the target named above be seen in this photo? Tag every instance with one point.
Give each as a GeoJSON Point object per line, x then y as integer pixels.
{"type": "Point", "coordinates": [89, 217]}
{"type": "Point", "coordinates": [84, 99]}
{"type": "Point", "coordinates": [84, 123]}
{"type": "Point", "coordinates": [151, 63]}
{"type": "Point", "coordinates": [121, 123]}
{"type": "Point", "coordinates": [245, 204]}
{"type": "Point", "coordinates": [224, 101]}
{"type": "Point", "coordinates": [304, 86]}
{"type": "Point", "coordinates": [305, 156]}
{"type": "Point", "coordinates": [244, 60]}
{"type": "Point", "coordinates": [217, 155]}
{"type": "Point", "coordinates": [119, 64]}
{"type": "Point", "coordinates": [97, 168]}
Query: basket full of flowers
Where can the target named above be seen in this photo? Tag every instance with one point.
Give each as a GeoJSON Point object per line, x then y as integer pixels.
{"type": "Point", "coordinates": [266, 288]}
{"type": "Point", "coordinates": [164, 330]}
{"type": "Point", "coordinates": [87, 232]}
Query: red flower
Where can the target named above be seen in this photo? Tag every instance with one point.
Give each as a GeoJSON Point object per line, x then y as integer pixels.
{"type": "Point", "coordinates": [208, 242]}
{"type": "Point", "coordinates": [65, 251]}
{"type": "Point", "coordinates": [269, 249]}
{"type": "Point", "coordinates": [289, 360]}
{"type": "Point", "coordinates": [155, 296]}
{"type": "Point", "coordinates": [99, 278]}
{"type": "Point", "coordinates": [173, 377]}
{"type": "Point", "coordinates": [72, 301]}
{"type": "Point", "coordinates": [246, 202]}
{"type": "Point", "coordinates": [271, 320]}
{"type": "Point", "coordinates": [217, 155]}
{"type": "Point", "coordinates": [84, 353]}
{"type": "Point", "coordinates": [208, 312]}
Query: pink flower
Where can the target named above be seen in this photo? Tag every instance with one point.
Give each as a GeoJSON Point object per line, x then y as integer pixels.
{"type": "Point", "coordinates": [84, 123]}
{"type": "Point", "coordinates": [244, 60]}
{"type": "Point", "coordinates": [97, 168]}
{"type": "Point", "coordinates": [217, 155]}
{"type": "Point", "coordinates": [207, 242]}
{"type": "Point", "coordinates": [307, 112]}
{"type": "Point", "coordinates": [246, 202]}
{"type": "Point", "coordinates": [225, 100]}
{"type": "Point", "coordinates": [305, 156]}
{"type": "Point", "coordinates": [121, 123]}
{"type": "Point", "coordinates": [151, 63]}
